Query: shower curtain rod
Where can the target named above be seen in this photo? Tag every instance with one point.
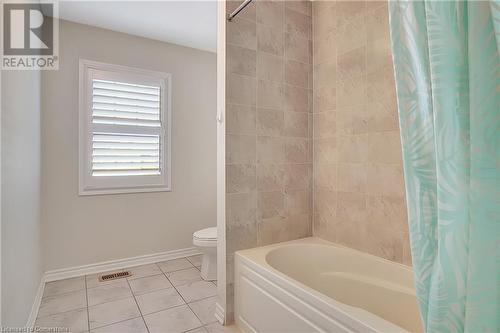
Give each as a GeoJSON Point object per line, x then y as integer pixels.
{"type": "Point", "coordinates": [238, 10]}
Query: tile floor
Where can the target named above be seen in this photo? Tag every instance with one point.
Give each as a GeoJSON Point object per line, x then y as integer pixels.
{"type": "Point", "coordinates": [166, 297]}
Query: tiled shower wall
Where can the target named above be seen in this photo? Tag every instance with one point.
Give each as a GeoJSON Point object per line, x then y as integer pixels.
{"type": "Point", "coordinates": [359, 198]}
{"type": "Point", "coordinates": [268, 127]}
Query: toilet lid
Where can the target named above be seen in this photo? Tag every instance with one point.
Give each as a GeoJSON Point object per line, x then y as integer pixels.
{"type": "Point", "coordinates": [208, 233]}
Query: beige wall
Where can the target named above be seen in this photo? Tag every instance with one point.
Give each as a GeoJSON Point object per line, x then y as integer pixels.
{"type": "Point", "coordinates": [268, 132]}
{"type": "Point", "coordinates": [83, 230]}
{"type": "Point", "coordinates": [21, 224]}
{"type": "Point", "coordinates": [358, 176]}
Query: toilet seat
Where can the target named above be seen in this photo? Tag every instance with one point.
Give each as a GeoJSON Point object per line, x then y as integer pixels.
{"type": "Point", "coordinates": [205, 237]}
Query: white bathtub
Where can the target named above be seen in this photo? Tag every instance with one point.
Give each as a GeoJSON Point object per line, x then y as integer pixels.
{"type": "Point", "coordinates": [311, 285]}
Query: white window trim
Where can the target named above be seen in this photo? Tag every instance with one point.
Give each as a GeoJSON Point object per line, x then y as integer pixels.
{"type": "Point", "coordinates": [88, 185]}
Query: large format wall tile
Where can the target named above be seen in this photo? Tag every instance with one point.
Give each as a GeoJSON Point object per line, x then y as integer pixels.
{"type": "Point", "coordinates": [269, 126]}
{"type": "Point", "coordinates": [358, 187]}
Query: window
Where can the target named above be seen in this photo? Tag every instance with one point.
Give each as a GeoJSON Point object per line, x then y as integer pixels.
{"type": "Point", "coordinates": [124, 129]}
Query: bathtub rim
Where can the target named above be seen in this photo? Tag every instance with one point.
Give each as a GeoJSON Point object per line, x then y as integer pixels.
{"type": "Point", "coordinates": [255, 259]}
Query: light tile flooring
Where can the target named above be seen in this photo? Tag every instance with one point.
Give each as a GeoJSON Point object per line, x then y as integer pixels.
{"type": "Point", "coordinates": [165, 297]}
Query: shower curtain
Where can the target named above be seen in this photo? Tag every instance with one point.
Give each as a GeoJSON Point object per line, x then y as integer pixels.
{"type": "Point", "coordinates": [446, 61]}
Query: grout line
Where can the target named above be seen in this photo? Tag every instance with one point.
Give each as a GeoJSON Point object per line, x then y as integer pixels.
{"type": "Point", "coordinates": [114, 323]}
{"type": "Point", "coordinates": [138, 307]}
{"type": "Point", "coordinates": [87, 308]}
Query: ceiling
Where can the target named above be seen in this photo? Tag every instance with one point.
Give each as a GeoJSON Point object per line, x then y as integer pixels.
{"type": "Point", "coordinates": [188, 23]}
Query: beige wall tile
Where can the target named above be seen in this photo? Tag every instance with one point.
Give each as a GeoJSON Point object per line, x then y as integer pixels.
{"type": "Point", "coordinates": [297, 202]}
{"type": "Point", "coordinates": [378, 54]}
{"type": "Point", "coordinates": [270, 149]}
{"type": "Point", "coordinates": [351, 35]}
{"type": "Point", "coordinates": [352, 120]}
{"type": "Point", "coordinates": [347, 11]}
{"type": "Point", "coordinates": [325, 48]}
{"type": "Point", "coordinates": [351, 177]}
{"type": "Point", "coordinates": [325, 125]}
{"type": "Point", "coordinates": [358, 183]}
{"type": "Point", "coordinates": [297, 124]}
{"type": "Point", "coordinates": [241, 60]}
{"type": "Point", "coordinates": [352, 64]}
{"type": "Point", "coordinates": [297, 23]}
{"type": "Point", "coordinates": [382, 116]}
{"type": "Point", "coordinates": [241, 119]}
{"type": "Point", "coordinates": [325, 98]}
{"type": "Point", "coordinates": [270, 39]}
{"type": "Point", "coordinates": [378, 22]}
{"type": "Point", "coordinates": [351, 91]}
{"type": "Point", "coordinates": [270, 177]}
{"type": "Point", "coordinates": [387, 213]}
{"type": "Point", "coordinates": [325, 74]}
{"type": "Point", "coordinates": [297, 176]}
{"type": "Point", "coordinates": [325, 176]}
{"type": "Point", "coordinates": [297, 150]}
{"type": "Point", "coordinates": [353, 149]}
{"type": "Point", "coordinates": [270, 205]}
{"type": "Point", "coordinates": [384, 179]}
{"type": "Point", "coordinates": [325, 203]}
{"type": "Point", "coordinates": [240, 89]}
{"type": "Point", "coordinates": [295, 48]}
{"type": "Point", "coordinates": [324, 17]}
{"type": "Point", "coordinates": [240, 178]}
{"type": "Point", "coordinates": [384, 147]}
{"type": "Point", "coordinates": [242, 32]}
{"type": "Point", "coordinates": [296, 99]}
{"type": "Point", "coordinates": [240, 149]}
{"type": "Point", "coordinates": [297, 73]}
{"type": "Point", "coordinates": [270, 122]}
{"type": "Point", "coordinates": [325, 150]}
{"type": "Point", "coordinates": [241, 208]}
{"type": "Point", "coordinates": [269, 94]}
{"type": "Point", "coordinates": [380, 87]}
{"type": "Point", "coordinates": [241, 237]}
{"type": "Point", "coordinates": [351, 207]}
{"type": "Point", "coordinates": [249, 13]}
{"type": "Point", "coordinates": [269, 67]}
{"type": "Point", "coordinates": [301, 6]}
{"type": "Point", "coordinates": [271, 13]}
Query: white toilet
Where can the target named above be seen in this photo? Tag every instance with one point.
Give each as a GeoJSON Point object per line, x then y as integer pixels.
{"type": "Point", "coordinates": [206, 240]}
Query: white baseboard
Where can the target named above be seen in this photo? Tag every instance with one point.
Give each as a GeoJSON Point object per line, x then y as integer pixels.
{"type": "Point", "coordinates": [36, 303]}
{"type": "Point", "coordinates": [219, 313]}
{"type": "Point", "coordinates": [110, 265]}
{"type": "Point", "coordinates": [65, 273]}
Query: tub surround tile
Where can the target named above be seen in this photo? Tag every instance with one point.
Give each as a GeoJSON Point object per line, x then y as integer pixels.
{"type": "Point", "coordinates": [358, 179]}
{"type": "Point", "coordinates": [277, 157]}
{"type": "Point", "coordinates": [241, 119]}
{"type": "Point", "coordinates": [270, 13]}
{"type": "Point", "coordinates": [241, 60]}
{"type": "Point", "coordinates": [243, 33]}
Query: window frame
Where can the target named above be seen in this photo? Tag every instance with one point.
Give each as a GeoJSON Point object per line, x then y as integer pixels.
{"type": "Point", "coordinates": [91, 185]}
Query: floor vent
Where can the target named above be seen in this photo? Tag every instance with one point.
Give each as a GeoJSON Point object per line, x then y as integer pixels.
{"type": "Point", "coordinates": [114, 276]}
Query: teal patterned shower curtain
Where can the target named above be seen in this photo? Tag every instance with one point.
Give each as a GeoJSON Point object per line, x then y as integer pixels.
{"type": "Point", "coordinates": [446, 61]}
